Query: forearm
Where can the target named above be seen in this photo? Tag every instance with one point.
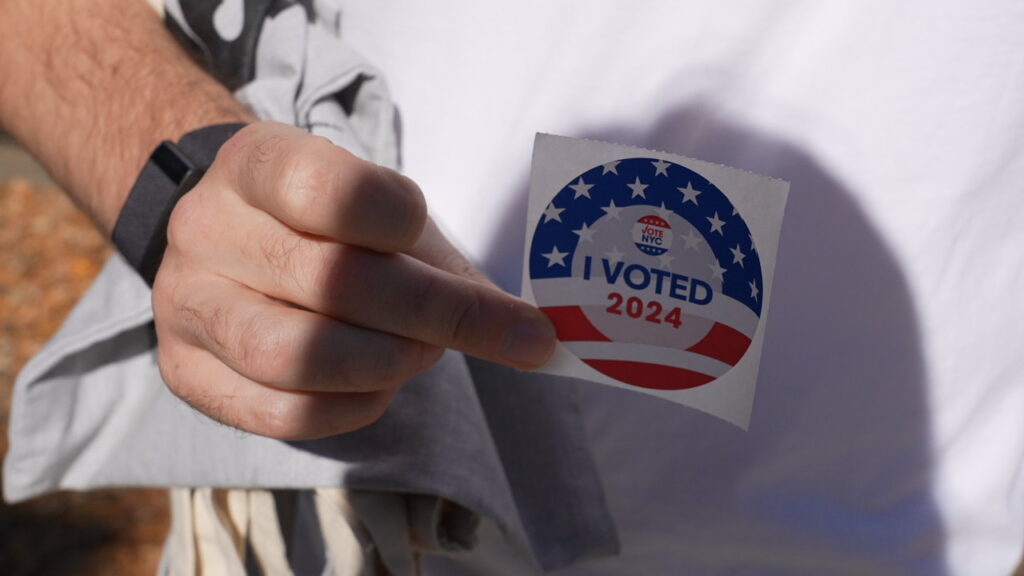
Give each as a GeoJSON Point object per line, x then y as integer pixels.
{"type": "Point", "coordinates": [91, 86]}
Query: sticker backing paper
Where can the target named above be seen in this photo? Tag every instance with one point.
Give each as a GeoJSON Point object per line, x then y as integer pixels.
{"type": "Point", "coordinates": [655, 269]}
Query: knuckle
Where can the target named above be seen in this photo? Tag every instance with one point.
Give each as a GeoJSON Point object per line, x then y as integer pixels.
{"type": "Point", "coordinates": [457, 264]}
{"type": "Point", "coordinates": [303, 182]}
{"type": "Point", "coordinates": [185, 384]}
{"type": "Point", "coordinates": [415, 213]}
{"type": "Point", "coordinates": [209, 325]}
{"type": "Point", "coordinates": [281, 253]}
{"type": "Point", "coordinates": [372, 407]}
{"type": "Point", "coordinates": [170, 368]}
{"type": "Point", "coordinates": [414, 358]}
{"type": "Point", "coordinates": [421, 302]}
{"type": "Point", "coordinates": [173, 311]}
{"type": "Point", "coordinates": [359, 189]}
{"type": "Point", "coordinates": [282, 418]}
{"type": "Point", "coordinates": [336, 271]}
{"type": "Point", "coordinates": [278, 249]}
{"type": "Point", "coordinates": [186, 223]}
{"type": "Point", "coordinates": [388, 367]}
{"type": "Point", "coordinates": [233, 149]}
{"type": "Point", "coordinates": [255, 151]}
{"type": "Point", "coordinates": [445, 309]}
{"type": "Point", "coordinates": [404, 205]}
{"type": "Point", "coordinates": [295, 417]}
{"type": "Point", "coordinates": [238, 145]}
{"type": "Point", "coordinates": [428, 356]}
{"type": "Point", "coordinates": [263, 350]}
{"type": "Point", "coordinates": [463, 308]}
{"type": "Point", "coordinates": [379, 402]}
{"type": "Point", "coordinates": [163, 296]}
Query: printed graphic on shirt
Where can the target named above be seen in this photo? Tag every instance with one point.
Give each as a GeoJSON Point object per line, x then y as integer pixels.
{"type": "Point", "coordinates": [649, 272]}
{"type": "Point", "coordinates": [225, 34]}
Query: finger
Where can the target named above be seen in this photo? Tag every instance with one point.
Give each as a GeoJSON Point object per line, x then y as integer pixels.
{"type": "Point", "coordinates": [318, 188]}
{"type": "Point", "coordinates": [392, 293]}
{"type": "Point", "coordinates": [434, 248]}
{"type": "Point", "coordinates": [284, 347]}
{"type": "Point", "coordinates": [201, 380]}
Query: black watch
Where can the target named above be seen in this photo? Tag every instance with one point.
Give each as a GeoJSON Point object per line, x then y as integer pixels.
{"type": "Point", "coordinates": [172, 170]}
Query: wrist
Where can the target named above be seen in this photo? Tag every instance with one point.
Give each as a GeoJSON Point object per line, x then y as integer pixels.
{"type": "Point", "coordinates": [184, 108]}
{"type": "Point", "coordinates": [90, 89]}
{"type": "Point", "coordinates": [172, 170]}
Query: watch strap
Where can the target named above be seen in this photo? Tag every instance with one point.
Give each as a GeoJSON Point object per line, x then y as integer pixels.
{"type": "Point", "coordinates": [171, 171]}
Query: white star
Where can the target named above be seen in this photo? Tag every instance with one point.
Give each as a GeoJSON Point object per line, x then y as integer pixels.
{"type": "Point", "coordinates": [753, 248]}
{"type": "Point", "coordinates": [753, 289]}
{"type": "Point", "coordinates": [552, 213]}
{"type": "Point", "coordinates": [716, 224]}
{"type": "Point", "coordinates": [665, 261]}
{"type": "Point", "coordinates": [734, 212]}
{"type": "Point", "coordinates": [615, 255]}
{"type": "Point", "coordinates": [663, 212]}
{"type": "Point", "coordinates": [581, 188]}
{"type": "Point", "coordinates": [692, 240]}
{"type": "Point", "coordinates": [555, 257]}
{"type": "Point", "coordinates": [586, 234]}
{"type": "Point", "coordinates": [612, 210]}
{"type": "Point", "coordinates": [737, 255]}
{"type": "Point", "coordinates": [612, 167]}
{"type": "Point", "coordinates": [661, 168]}
{"type": "Point", "coordinates": [689, 194]}
{"type": "Point", "coordinates": [638, 188]}
{"type": "Point", "coordinates": [716, 271]}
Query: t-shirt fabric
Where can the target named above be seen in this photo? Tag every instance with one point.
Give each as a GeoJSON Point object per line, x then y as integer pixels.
{"type": "Point", "coordinates": [887, 434]}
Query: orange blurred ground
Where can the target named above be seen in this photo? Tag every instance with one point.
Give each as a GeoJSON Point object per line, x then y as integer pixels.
{"type": "Point", "coordinates": [49, 254]}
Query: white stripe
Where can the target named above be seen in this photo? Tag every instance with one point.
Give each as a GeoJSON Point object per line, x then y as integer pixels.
{"type": "Point", "coordinates": [594, 292]}
{"type": "Point", "coordinates": [648, 355]}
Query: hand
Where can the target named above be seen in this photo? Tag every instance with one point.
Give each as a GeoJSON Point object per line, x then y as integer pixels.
{"type": "Point", "coordinates": [302, 287]}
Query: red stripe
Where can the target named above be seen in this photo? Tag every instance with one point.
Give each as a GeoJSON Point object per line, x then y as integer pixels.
{"type": "Point", "coordinates": [650, 375]}
{"type": "Point", "coordinates": [571, 325]}
{"type": "Point", "coordinates": [722, 343]}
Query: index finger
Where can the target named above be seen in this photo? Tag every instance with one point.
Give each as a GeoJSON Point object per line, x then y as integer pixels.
{"type": "Point", "coordinates": [390, 293]}
{"type": "Point", "coordinates": [318, 188]}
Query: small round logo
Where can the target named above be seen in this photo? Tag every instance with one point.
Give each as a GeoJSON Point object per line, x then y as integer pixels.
{"type": "Point", "coordinates": [652, 235]}
{"type": "Point", "coordinates": [676, 312]}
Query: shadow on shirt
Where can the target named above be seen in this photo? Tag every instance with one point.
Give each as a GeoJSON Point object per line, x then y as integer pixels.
{"type": "Point", "coordinates": [836, 473]}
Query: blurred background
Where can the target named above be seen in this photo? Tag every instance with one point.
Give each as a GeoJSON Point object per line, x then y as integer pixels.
{"type": "Point", "coordinates": [49, 254]}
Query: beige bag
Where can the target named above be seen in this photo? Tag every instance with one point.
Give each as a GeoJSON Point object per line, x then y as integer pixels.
{"type": "Point", "coordinates": [364, 533]}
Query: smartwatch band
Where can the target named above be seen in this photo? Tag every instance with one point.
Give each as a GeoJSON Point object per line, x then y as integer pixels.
{"type": "Point", "coordinates": [171, 171]}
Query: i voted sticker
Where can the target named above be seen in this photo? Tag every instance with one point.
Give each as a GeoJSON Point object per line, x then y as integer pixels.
{"type": "Point", "coordinates": [650, 271]}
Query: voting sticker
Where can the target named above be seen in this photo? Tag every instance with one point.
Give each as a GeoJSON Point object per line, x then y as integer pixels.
{"type": "Point", "coordinates": [654, 269]}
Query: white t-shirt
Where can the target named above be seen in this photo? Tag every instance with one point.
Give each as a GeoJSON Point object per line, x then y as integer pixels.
{"type": "Point", "coordinates": [887, 435]}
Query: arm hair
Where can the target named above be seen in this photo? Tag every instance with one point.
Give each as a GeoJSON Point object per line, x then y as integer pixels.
{"type": "Point", "coordinates": [90, 87]}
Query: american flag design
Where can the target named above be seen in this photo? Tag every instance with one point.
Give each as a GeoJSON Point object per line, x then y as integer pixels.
{"type": "Point", "coordinates": [649, 274]}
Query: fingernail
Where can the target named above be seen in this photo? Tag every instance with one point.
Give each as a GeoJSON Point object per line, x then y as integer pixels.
{"type": "Point", "coordinates": [529, 343]}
